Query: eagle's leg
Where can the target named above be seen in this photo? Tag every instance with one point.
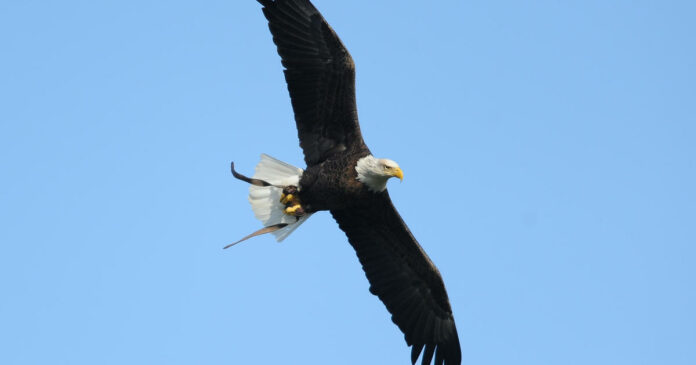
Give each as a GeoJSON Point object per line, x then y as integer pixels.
{"type": "Point", "coordinates": [291, 201]}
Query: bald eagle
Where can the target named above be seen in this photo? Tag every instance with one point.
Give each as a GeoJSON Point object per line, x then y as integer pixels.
{"type": "Point", "coordinates": [344, 178]}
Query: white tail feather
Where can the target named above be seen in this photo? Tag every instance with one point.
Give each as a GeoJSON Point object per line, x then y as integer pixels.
{"type": "Point", "coordinates": [265, 201]}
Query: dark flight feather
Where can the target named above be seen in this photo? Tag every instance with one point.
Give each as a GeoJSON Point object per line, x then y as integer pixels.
{"type": "Point", "coordinates": [320, 74]}
{"type": "Point", "coordinates": [403, 277]}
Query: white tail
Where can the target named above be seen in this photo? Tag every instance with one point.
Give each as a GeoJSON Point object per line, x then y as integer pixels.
{"type": "Point", "coordinates": [265, 201]}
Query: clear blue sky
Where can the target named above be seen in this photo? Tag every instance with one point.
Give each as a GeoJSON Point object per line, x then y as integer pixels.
{"type": "Point", "coordinates": [550, 172]}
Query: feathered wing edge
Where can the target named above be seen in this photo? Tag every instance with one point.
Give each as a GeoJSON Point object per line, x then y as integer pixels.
{"type": "Point", "coordinates": [320, 76]}
{"type": "Point", "coordinates": [404, 279]}
{"type": "Point", "coordinates": [265, 200]}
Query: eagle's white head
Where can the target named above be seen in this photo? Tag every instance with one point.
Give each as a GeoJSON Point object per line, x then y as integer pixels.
{"type": "Point", "coordinates": [374, 172]}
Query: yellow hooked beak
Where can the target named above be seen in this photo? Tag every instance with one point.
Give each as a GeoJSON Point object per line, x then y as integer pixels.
{"type": "Point", "coordinates": [398, 173]}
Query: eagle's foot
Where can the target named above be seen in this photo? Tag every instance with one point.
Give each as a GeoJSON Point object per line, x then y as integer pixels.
{"type": "Point", "coordinates": [291, 201]}
{"type": "Point", "coordinates": [295, 210]}
{"type": "Point", "coordinates": [289, 196]}
{"type": "Point", "coordinates": [285, 199]}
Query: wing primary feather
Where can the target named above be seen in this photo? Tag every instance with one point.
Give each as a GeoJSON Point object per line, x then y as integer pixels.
{"type": "Point", "coordinates": [437, 331]}
{"type": "Point", "coordinates": [428, 354]}
{"type": "Point", "coordinates": [415, 352]}
{"type": "Point", "coordinates": [438, 356]}
{"type": "Point", "coordinates": [416, 328]}
{"type": "Point", "coordinates": [428, 325]}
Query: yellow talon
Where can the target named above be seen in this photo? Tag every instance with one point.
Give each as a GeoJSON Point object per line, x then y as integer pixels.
{"type": "Point", "coordinates": [291, 201]}
{"type": "Point", "coordinates": [284, 199]}
{"type": "Point", "coordinates": [291, 210]}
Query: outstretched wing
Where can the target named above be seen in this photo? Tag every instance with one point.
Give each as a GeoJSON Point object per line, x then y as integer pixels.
{"type": "Point", "coordinates": [321, 78]}
{"type": "Point", "coordinates": [404, 278]}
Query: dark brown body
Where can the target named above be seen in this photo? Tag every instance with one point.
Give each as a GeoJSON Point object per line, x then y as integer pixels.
{"type": "Point", "coordinates": [333, 183]}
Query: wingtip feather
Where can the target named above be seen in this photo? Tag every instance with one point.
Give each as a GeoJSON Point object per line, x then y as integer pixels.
{"type": "Point", "coordinates": [415, 352]}
{"type": "Point", "coordinates": [428, 354]}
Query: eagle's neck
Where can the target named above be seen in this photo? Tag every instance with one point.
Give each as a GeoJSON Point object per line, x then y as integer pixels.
{"type": "Point", "coordinates": [370, 173]}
